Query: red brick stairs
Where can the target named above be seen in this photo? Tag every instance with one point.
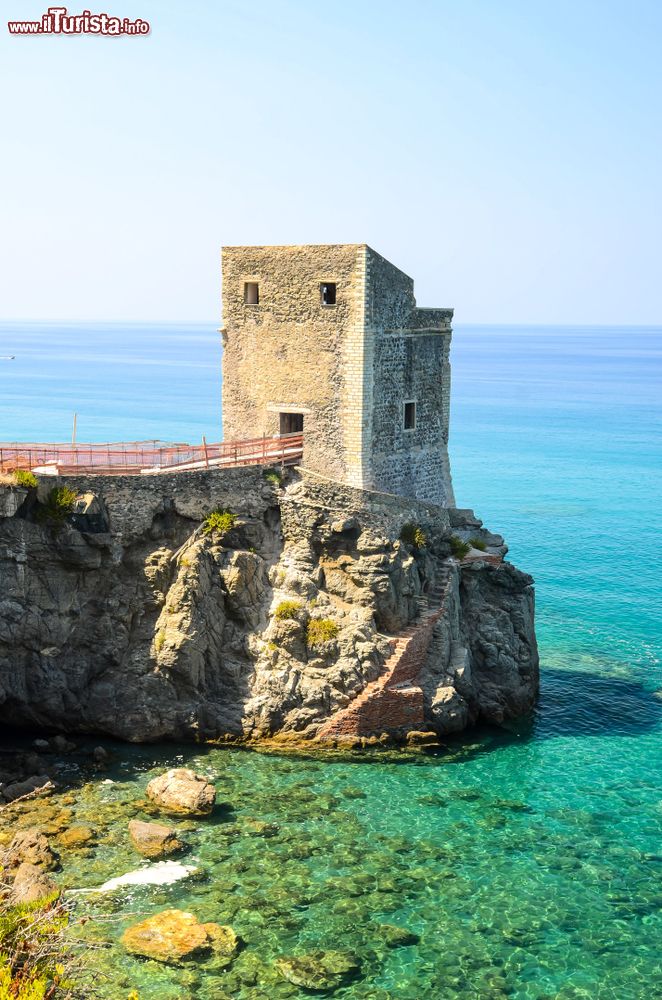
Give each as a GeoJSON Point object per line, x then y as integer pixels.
{"type": "Point", "coordinates": [394, 703]}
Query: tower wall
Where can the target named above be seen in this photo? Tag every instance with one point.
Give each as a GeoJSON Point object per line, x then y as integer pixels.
{"type": "Point", "coordinates": [349, 368]}
{"type": "Point", "coordinates": [410, 363]}
{"type": "Point", "coordinates": [289, 353]}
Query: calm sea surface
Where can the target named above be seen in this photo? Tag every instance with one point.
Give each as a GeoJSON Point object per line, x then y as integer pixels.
{"type": "Point", "coordinates": [528, 862]}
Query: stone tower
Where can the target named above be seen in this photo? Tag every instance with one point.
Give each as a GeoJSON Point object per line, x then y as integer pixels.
{"type": "Point", "coordinates": [329, 340]}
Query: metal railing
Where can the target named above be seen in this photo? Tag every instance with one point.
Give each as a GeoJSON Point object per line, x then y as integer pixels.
{"type": "Point", "coordinates": [148, 457]}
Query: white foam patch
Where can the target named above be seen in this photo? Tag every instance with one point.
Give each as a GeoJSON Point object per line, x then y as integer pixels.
{"type": "Point", "coordinates": [160, 873]}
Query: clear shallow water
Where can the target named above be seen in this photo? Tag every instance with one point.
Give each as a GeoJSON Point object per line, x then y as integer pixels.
{"type": "Point", "coordinates": [528, 862]}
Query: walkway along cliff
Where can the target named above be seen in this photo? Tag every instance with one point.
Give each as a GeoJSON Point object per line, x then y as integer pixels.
{"type": "Point", "coordinates": [205, 594]}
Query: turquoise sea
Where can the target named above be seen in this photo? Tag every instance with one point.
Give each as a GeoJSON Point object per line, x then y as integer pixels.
{"type": "Point", "coordinates": [528, 862]}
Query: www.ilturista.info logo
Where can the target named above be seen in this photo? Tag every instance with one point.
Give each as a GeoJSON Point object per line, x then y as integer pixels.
{"type": "Point", "coordinates": [56, 21]}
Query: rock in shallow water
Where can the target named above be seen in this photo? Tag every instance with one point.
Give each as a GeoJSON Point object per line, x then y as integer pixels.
{"type": "Point", "coordinates": [182, 791]}
{"type": "Point", "coordinates": [154, 840]}
{"type": "Point", "coordinates": [32, 847]}
{"type": "Point", "coordinates": [397, 937]}
{"type": "Point", "coordinates": [31, 884]}
{"type": "Point", "coordinates": [319, 970]}
{"type": "Point", "coordinates": [175, 936]}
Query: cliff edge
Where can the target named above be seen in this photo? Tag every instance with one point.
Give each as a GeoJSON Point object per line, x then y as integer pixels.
{"type": "Point", "coordinates": [316, 611]}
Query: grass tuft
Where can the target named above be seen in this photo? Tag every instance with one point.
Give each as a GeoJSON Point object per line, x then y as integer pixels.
{"type": "Point", "coordinates": [458, 548]}
{"type": "Point", "coordinates": [413, 534]}
{"type": "Point", "coordinates": [24, 478]}
{"type": "Point", "coordinates": [320, 631]}
{"type": "Point", "coordinates": [219, 521]}
{"type": "Point", "coordinates": [59, 504]}
{"type": "Point", "coordinates": [288, 610]}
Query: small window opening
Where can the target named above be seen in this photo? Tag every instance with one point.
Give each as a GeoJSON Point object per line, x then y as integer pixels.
{"type": "Point", "coordinates": [251, 293]}
{"type": "Point", "coordinates": [410, 416]}
{"type": "Point", "coordinates": [328, 293]}
{"type": "Point", "coordinates": [291, 423]}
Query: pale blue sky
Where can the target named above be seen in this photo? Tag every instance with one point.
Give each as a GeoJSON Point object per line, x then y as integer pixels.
{"type": "Point", "coordinates": [505, 153]}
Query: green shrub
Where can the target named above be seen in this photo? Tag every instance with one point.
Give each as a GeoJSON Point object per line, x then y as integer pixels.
{"type": "Point", "coordinates": [220, 521]}
{"type": "Point", "coordinates": [24, 478]}
{"type": "Point", "coordinates": [413, 534]}
{"type": "Point", "coordinates": [59, 504]}
{"type": "Point", "coordinates": [458, 547]}
{"type": "Point", "coordinates": [273, 476]}
{"type": "Point", "coordinates": [320, 630]}
{"type": "Point", "coordinates": [478, 543]}
{"type": "Point", "coordinates": [35, 958]}
{"type": "Point", "coordinates": [158, 642]}
{"type": "Point", "coordinates": [287, 609]}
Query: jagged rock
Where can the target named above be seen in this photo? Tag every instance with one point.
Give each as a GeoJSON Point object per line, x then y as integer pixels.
{"type": "Point", "coordinates": [449, 710]}
{"type": "Point", "coordinates": [154, 840]}
{"type": "Point", "coordinates": [175, 936]}
{"type": "Point", "coordinates": [11, 500]}
{"type": "Point", "coordinates": [319, 970]}
{"type": "Point", "coordinates": [181, 790]}
{"type": "Point", "coordinates": [160, 631]}
{"type": "Point", "coordinates": [31, 847]}
{"type": "Point", "coordinates": [31, 884]}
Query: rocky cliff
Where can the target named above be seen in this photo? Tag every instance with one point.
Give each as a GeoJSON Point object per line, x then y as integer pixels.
{"type": "Point", "coordinates": [316, 611]}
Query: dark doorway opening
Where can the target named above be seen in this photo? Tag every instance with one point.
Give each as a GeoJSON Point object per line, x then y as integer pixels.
{"type": "Point", "coordinates": [291, 423]}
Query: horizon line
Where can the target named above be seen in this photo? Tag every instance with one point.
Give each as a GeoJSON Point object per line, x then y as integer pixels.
{"type": "Point", "coordinates": [462, 323]}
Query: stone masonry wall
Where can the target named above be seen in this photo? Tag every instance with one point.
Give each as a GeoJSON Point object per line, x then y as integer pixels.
{"type": "Point", "coordinates": [380, 512]}
{"type": "Point", "coordinates": [410, 362]}
{"type": "Point", "coordinates": [132, 502]}
{"type": "Point", "coordinates": [292, 353]}
{"type": "Point", "coordinates": [348, 368]}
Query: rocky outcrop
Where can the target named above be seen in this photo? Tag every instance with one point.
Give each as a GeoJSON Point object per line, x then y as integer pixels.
{"type": "Point", "coordinates": [30, 847]}
{"type": "Point", "coordinates": [127, 617]}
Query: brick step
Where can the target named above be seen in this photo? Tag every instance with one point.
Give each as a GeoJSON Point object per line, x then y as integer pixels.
{"type": "Point", "coordinates": [389, 703]}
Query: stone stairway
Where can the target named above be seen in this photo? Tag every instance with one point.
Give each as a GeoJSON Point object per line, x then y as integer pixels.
{"type": "Point", "coordinates": [394, 701]}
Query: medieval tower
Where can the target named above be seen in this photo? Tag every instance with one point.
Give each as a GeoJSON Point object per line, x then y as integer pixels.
{"type": "Point", "coordinates": [328, 341]}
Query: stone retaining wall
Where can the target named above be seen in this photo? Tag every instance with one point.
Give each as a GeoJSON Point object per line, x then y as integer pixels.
{"type": "Point", "coordinates": [132, 502]}
{"type": "Point", "coordinates": [382, 512]}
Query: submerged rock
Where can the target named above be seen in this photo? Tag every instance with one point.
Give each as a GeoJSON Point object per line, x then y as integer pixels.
{"type": "Point", "coordinates": [181, 790]}
{"type": "Point", "coordinates": [175, 936]}
{"type": "Point", "coordinates": [76, 837]}
{"type": "Point", "coordinates": [397, 937]}
{"type": "Point", "coordinates": [319, 970]}
{"type": "Point", "coordinates": [154, 840]}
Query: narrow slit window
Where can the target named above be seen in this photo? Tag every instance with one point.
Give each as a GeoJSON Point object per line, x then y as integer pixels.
{"type": "Point", "coordinates": [251, 293]}
{"type": "Point", "coordinates": [410, 416]}
{"type": "Point", "coordinates": [328, 293]}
